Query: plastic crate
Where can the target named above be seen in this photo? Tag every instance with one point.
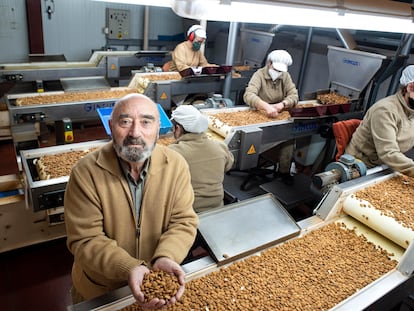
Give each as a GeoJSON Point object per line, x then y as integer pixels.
{"type": "Point", "coordinates": [105, 114]}
{"type": "Point", "coordinates": [308, 111]}
{"type": "Point", "coordinates": [209, 70]}
{"type": "Point", "coordinates": [166, 124]}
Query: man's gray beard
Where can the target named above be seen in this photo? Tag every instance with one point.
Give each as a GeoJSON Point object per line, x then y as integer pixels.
{"type": "Point", "coordinates": [133, 154]}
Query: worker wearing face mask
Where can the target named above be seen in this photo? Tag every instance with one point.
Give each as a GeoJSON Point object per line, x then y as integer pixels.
{"type": "Point", "coordinates": [271, 90]}
{"type": "Point", "coordinates": [188, 53]}
{"type": "Point", "coordinates": [386, 131]}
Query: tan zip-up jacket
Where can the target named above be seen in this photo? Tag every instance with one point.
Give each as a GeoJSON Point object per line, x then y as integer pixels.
{"type": "Point", "coordinates": [385, 134]}
{"type": "Point", "coordinates": [102, 226]}
{"type": "Point", "coordinates": [261, 87]}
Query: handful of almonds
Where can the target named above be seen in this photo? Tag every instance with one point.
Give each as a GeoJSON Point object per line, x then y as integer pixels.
{"type": "Point", "coordinates": [159, 284]}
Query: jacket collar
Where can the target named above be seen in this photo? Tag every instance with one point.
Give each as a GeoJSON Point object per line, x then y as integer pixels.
{"type": "Point", "coordinates": [191, 136]}
{"type": "Point", "coordinates": [407, 110]}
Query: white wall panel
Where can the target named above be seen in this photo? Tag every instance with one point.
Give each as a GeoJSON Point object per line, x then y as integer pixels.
{"type": "Point", "coordinates": [14, 44]}
{"type": "Point", "coordinates": [75, 27]}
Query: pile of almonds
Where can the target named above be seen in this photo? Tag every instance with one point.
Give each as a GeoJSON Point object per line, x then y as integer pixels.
{"type": "Point", "coordinates": [159, 284]}
{"type": "Point", "coordinates": [60, 164]}
{"type": "Point", "coordinates": [393, 197]}
{"type": "Point", "coordinates": [313, 272]}
{"type": "Point", "coordinates": [247, 117]}
{"type": "Point", "coordinates": [332, 98]}
{"type": "Point", "coordinates": [71, 97]}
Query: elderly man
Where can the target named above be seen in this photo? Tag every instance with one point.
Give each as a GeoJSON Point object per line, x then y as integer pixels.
{"type": "Point", "coordinates": [208, 159]}
{"type": "Point", "coordinates": [386, 131]}
{"type": "Point", "coordinates": [129, 208]}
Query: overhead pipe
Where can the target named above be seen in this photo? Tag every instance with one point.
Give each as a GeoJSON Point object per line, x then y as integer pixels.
{"type": "Point", "coordinates": [203, 23]}
{"type": "Point", "coordinates": [230, 57]}
{"type": "Point", "coordinates": [305, 58]}
{"type": "Point", "coordinates": [346, 39]}
{"type": "Point", "coordinates": [389, 70]}
{"type": "Point", "coordinates": [405, 51]}
{"type": "Point", "coordinates": [145, 43]}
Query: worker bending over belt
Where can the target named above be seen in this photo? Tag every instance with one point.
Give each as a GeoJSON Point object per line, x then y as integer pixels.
{"type": "Point", "coordinates": [271, 90]}
{"type": "Point", "coordinates": [386, 131]}
{"type": "Point", "coordinates": [207, 158]}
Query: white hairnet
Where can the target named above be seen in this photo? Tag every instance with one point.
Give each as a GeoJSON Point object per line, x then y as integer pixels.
{"type": "Point", "coordinates": [280, 59]}
{"type": "Point", "coordinates": [190, 118]}
{"type": "Point", "coordinates": [407, 75]}
{"type": "Point", "coordinates": [198, 31]}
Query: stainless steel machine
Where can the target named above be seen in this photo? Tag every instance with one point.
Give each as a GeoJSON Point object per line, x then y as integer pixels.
{"type": "Point", "coordinates": [165, 91]}
{"type": "Point", "coordinates": [350, 75]}
{"type": "Point", "coordinates": [108, 65]}
{"type": "Point", "coordinates": [104, 71]}
{"type": "Point", "coordinates": [351, 71]}
{"type": "Point", "coordinates": [47, 194]}
{"type": "Point", "coordinates": [247, 228]}
{"type": "Point", "coordinates": [246, 142]}
{"type": "Point", "coordinates": [26, 120]}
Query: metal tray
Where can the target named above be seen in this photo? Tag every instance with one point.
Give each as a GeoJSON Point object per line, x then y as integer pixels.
{"type": "Point", "coordinates": [246, 227]}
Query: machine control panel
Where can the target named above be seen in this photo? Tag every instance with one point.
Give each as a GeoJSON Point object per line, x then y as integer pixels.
{"type": "Point", "coordinates": [20, 118]}
{"type": "Point", "coordinates": [118, 23]}
{"type": "Point", "coordinates": [13, 77]}
{"type": "Point", "coordinates": [51, 199]}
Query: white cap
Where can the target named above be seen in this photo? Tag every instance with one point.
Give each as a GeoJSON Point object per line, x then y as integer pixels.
{"type": "Point", "coordinates": [190, 118]}
{"type": "Point", "coordinates": [407, 75]}
{"type": "Point", "coordinates": [198, 31]}
{"type": "Point", "coordinates": [280, 59]}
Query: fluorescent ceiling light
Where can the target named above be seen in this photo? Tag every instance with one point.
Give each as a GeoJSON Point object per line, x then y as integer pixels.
{"type": "Point", "coordinates": [159, 3]}
{"type": "Point", "coordinates": [267, 12]}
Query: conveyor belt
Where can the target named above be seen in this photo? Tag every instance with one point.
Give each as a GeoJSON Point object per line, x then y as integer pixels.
{"type": "Point", "coordinates": [247, 141]}
{"type": "Point", "coordinates": [47, 194]}
{"type": "Point", "coordinates": [334, 208]}
{"type": "Point", "coordinates": [372, 217]}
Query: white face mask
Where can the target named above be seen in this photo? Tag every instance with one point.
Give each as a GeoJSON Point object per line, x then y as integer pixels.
{"type": "Point", "coordinates": [274, 74]}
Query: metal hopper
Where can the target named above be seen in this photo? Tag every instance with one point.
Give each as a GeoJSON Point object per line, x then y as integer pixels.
{"type": "Point", "coordinates": [350, 71]}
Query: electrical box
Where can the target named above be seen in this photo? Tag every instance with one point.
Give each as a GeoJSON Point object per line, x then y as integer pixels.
{"type": "Point", "coordinates": [118, 23]}
{"type": "Point", "coordinates": [64, 131]}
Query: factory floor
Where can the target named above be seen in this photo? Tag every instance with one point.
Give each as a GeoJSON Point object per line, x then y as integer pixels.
{"type": "Point", "coordinates": [37, 277]}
